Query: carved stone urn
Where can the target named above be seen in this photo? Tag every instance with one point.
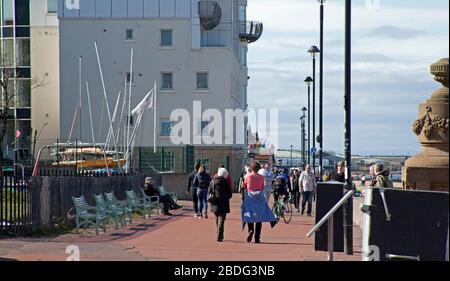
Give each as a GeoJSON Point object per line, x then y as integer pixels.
{"type": "Point", "coordinates": [429, 170]}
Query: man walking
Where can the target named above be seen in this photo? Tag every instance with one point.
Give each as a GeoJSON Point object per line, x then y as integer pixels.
{"type": "Point", "coordinates": [308, 188]}
{"type": "Point", "coordinates": [268, 175]}
{"type": "Point", "coordinates": [193, 189]}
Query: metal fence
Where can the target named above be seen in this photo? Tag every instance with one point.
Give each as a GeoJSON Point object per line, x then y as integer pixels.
{"type": "Point", "coordinates": [16, 206]}
{"type": "Point", "coordinates": [165, 159]}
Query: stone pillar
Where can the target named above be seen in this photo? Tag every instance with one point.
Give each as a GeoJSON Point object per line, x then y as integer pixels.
{"type": "Point", "coordinates": [429, 169]}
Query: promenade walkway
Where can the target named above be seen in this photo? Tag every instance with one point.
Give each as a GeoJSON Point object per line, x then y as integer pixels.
{"type": "Point", "coordinates": [181, 238]}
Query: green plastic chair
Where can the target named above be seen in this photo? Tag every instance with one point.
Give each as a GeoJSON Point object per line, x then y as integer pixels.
{"type": "Point", "coordinates": [89, 215]}
{"type": "Point", "coordinates": [153, 201]}
{"type": "Point", "coordinates": [113, 202]}
{"type": "Point", "coordinates": [138, 205]}
{"type": "Point", "coordinates": [114, 212]}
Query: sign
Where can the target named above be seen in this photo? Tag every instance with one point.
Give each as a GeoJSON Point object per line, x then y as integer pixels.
{"type": "Point", "coordinates": [313, 150]}
{"type": "Point", "coordinates": [18, 134]}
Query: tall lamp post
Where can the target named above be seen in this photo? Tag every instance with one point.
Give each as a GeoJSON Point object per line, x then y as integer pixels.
{"type": "Point", "coordinates": [304, 109]}
{"type": "Point", "coordinates": [320, 138]}
{"type": "Point", "coordinates": [309, 82]}
{"type": "Point", "coordinates": [291, 156]}
{"type": "Point", "coordinates": [348, 206]}
{"type": "Point", "coordinates": [314, 51]}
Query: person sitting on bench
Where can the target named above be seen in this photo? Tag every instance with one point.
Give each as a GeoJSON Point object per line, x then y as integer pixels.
{"type": "Point", "coordinates": [166, 200]}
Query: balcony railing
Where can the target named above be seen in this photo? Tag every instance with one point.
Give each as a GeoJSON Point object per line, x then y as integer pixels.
{"type": "Point", "coordinates": [210, 14]}
{"type": "Point", "coordinates": [250, 31]}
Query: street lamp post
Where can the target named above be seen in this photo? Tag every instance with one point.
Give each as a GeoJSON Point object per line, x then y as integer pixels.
{"type": "Point", "coordinates": [291, 156]}
{"type": "Point", "coordinates": [314, 51]}
{"type": "Point", "coordinates": [304, 109]}
{"type": "Point", "coordinates": [348, 206]}
{"type": "Point", "coordinates": [309, 82]}
{"type": "Point", "coordinates": [321, 89]}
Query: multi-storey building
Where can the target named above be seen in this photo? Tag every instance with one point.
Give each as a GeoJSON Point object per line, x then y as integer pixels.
{"type": "Point", "coordinates": [29, 44]}
{"type": "Point", "coordinates": [15, 74]}
{"type": "Point", "coordinates": [194, 50]}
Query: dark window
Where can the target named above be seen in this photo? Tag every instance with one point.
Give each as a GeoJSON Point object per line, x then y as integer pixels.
{"type": "Point", "coordinates": [22, 32]}
{"type": "Point", "coordinates": [166, 38]}
{"type": "Point", "coordinates": [167, 81]}
{"type": "Point", "coordinates": [23, 113]}
{"type": "Point", "coordinates": [52, 6]}
{"type": "Point", "coordinates": [202, 81]}
{"type": "Point", "coordinates": [8, 32]}
{"type": "Point", "coordinates": [23, 72]}
{"type": "Point", "coordinates": [22, 12]}
{"type": "Point", "coordinates": [129, 34]}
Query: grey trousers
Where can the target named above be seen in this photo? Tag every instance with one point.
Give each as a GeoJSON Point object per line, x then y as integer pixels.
{"type": "Point", "coordinates": [220, 223]}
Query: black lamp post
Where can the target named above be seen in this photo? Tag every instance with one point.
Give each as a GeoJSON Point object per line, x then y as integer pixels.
{"type": "Point", "coordinates": [291, 156]}
{"type": "Point", "coordinates": [348, 206]}
{"type": "Point", "coordinates": [314, 51]}
{"type": "Point", "coordinates": [304, 109]}
{"type": "Point", "coordinates": [309, 82]}
{"type": "Point", "coordinates": [320, 138]}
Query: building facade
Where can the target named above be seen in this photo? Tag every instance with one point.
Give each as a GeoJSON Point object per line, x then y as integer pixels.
{"type": "Point", "coordinates": [16, 79]}
{"type": "Point", "coordinates": [45, 71]}
{"type": "Point", "coordinates": [194, 50]}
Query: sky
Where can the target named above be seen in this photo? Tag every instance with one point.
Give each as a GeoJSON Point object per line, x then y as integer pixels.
{"type": "Point", "coordinates": [393, 45]}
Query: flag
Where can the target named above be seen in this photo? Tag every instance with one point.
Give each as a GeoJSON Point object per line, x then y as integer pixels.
{"type": "Point", "coordinates": [146, 103]}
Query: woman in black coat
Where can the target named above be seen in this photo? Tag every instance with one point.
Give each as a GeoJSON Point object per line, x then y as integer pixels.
{"type": "Point", "coordinates": [221, 203]}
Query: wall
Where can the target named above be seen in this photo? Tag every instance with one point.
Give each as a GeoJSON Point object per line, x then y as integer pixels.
{"type": "Point", "coordinates": [54, 194]}
{"type": "Point", "coordinates": [45, 68]}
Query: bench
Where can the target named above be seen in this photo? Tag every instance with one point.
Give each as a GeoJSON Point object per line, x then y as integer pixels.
{"type": "Point", "coordinates": [89, 215]}
{"type": "Point", "coordinates": [114, 212]}
{"type": "Point", "coordinates": [139, 205]}
{"type": "Point", "coordinates": [112, 200]}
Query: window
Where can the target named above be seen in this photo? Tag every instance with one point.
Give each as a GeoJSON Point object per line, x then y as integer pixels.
{"type": "Point", "coordinates": [167, 81]}
{"type": "Point", "coordinates": [129, 78]}
{"type": "Point", "coordinates": [129, 34]}
{"type": "Point", "coordinates": [166, 128]}
{"type": "Point", "coordinates": [242, 13]}
{"type": "Point", "coordinates": [202, 81]}
{"type": "Point", "coordinates": [52, 6]}
{"type": "Point", "coordinates": [166, 38]}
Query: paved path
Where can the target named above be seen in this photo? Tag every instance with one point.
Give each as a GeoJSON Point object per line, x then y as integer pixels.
{"type": "Point", "coordinates": [181, 238]}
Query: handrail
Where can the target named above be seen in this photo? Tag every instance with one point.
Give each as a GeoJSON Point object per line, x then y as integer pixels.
{"type": "Point", "coordinates": [330, 213]}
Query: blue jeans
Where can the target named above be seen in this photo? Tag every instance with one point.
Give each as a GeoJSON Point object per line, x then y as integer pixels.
{"type": "Point", "coordinates": [202, 195]}
{"type": "Point", "coordinates": [307, 197]}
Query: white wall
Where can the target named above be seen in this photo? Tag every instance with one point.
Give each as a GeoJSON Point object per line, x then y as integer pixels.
{"type": "Point", "coordinates": [39, 15]}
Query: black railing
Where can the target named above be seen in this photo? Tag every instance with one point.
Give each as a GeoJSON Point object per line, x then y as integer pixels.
{"type": "Point", "coordinates": [16, 206]}
{"type": "Point", "coordinates": [250, 31]}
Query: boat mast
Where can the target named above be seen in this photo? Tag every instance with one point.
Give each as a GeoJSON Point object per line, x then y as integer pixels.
{"type": "Point", "coordinates": [107, 106]}
{"type": "Point", "coordinates": [127, 164]}
{"type": "Point", "coordinates": [90, 111]}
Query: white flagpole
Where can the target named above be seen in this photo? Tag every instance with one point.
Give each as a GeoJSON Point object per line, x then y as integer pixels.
{"type": "Point", "coordinates": [127, 166]}
{"type": "Point", "coordinates": [90, 111]}
{"type": "Point", "coordinates": [107, 106]}
{"type": "Point", "coordinates": [155, 93]}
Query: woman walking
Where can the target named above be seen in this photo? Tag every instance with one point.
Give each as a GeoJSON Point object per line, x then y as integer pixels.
{"type": "Point", "coordinates": [295, 186]}
{"type": "Point", "coordinates": [220, 205]}
{"type": "Point", "coordinates": [202, 181]}
{"type": "Point", "coordinates": [255, 210]}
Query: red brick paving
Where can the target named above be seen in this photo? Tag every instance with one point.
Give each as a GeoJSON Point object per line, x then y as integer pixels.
{"type": "Point", "coordinates": [183, 238]}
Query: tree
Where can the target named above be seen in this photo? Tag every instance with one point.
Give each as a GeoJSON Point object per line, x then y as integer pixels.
{"type": "Point", "coordinates": [8, 74]}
